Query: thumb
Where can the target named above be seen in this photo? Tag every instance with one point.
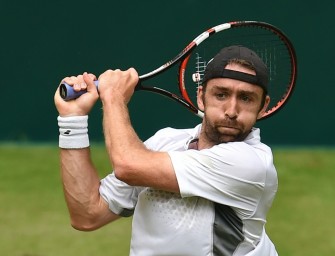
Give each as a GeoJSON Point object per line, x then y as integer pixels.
{"type": "Point", "coordinates": [89, 80]}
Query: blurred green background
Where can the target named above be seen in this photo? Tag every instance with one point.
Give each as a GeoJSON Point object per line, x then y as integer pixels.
{"type": "Point", "coordinates": [44, 41]}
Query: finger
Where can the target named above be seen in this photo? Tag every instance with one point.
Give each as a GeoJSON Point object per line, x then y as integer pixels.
{"type": "Point", "coordinates": [92, 76]}
{"type": "Point", "coordinates": [77, 82]}
{"type": "Point", "coordinates": [134, 75]}
{"type": "Point", "coordinates": [89, 81]}
{"type": "Point", "coordinates": [70, 80]}
{"type": "Point", "coordinates": [83, 86]}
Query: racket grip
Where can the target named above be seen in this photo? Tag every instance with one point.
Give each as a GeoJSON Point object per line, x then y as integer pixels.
{"type": "Point", "coordinates": [67, 92]}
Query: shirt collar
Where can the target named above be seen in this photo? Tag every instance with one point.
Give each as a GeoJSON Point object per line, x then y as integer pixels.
{"type": "Point", "coordinates": [252, 138]}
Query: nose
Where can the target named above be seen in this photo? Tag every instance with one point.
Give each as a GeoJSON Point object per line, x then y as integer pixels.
{"type": "Point", "coordinates": [231, 108]}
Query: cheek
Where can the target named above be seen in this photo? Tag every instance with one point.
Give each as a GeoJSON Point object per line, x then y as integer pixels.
{"type": "Point", "coordinates": [214, 111]}
{"type": "Point", "coordinates": [248, 118]}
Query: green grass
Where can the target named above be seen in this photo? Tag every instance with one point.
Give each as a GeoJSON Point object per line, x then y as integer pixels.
{"type": "Point", "coordinates": [33, 215]}
{"type": "Point", "coordinates": [34, 219]}
{"type": "Point", "coordinates": [301, 221]}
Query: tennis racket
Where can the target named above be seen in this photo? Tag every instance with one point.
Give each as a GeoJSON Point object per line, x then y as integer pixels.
{"type": "Point", "coordinates": [269, 42]}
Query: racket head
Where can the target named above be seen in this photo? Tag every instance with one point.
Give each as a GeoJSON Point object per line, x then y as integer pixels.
{"type": "Point", "coordinates": [270, 44]}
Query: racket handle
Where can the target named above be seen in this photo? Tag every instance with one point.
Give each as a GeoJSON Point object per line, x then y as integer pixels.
{"type": "Point", "coordinates": [68, 93]}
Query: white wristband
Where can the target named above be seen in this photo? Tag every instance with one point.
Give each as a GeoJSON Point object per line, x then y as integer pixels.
{"type": "Point", "coordinates": [73, 132]}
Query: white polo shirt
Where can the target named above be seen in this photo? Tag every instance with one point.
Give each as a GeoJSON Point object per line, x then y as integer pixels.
{"type": "Point", "coordinates": [226, 192]}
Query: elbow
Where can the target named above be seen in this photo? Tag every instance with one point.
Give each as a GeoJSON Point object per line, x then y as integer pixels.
{"type": "Point", "coordinates": [124, 176]}
{"type": "Point", "coordinates": [88, 222]}
{"type": "Point", "coordinates": [125, 173]}
{"type": "Point", "coordinates": [81, 227]}
{"type": "Point", "coordinates": [85, 226]}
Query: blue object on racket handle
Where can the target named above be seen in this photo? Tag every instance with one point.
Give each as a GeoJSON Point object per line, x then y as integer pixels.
{"type": "Point", "coordinates": [68, 93]}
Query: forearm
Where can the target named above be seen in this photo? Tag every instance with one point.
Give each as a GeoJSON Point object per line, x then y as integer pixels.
{"type": "Point", "coordinates": [80, 183]}
{"type": "Point", "coordinates": [133, 163]}
{"type": "Point", "coordinates": [123, 144]}
{"type": "Point", "coordinates": [80, 179]}
{"type": "Point", "coordinates": [87, 208]}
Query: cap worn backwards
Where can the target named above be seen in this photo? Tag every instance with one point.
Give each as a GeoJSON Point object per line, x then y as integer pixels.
{"type": "Point", "coordinates": [216, 67]}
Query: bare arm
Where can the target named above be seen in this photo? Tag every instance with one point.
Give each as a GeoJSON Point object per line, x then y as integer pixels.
{"type": "Point", "coordinates": [133, 162]}
{"type": "Point", "coordinates": [88, 211]}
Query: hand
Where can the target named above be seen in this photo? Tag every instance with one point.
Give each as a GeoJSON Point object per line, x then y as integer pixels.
{"type": "Point", "coordinates": [115, 85]}
{"type": "Point", "coordinates": [82, 105]}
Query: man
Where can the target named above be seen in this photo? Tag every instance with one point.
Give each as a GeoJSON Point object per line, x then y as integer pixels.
{"type": "Point", "coordinates": [199, 191]}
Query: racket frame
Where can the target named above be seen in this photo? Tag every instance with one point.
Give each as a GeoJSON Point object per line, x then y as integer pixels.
{"type": "Point", "coordinates": [183, 58]}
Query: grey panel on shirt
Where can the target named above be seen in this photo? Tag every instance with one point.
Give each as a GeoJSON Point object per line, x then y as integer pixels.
{"type": "Point", "coordinates": [228, 232]}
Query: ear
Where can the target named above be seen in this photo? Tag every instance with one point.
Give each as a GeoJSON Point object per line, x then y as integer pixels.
{"type": "Point", "coordinates": [200, 98]}
{"type": "Point", "coordinates": [266, 104]}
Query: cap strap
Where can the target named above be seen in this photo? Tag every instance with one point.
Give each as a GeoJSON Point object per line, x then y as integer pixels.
{"type": "Point", "coordinates": [241, 76]}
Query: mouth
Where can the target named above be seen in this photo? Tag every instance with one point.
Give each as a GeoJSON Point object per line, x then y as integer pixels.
{"type": "Point", "coordinates": [229, 125]}
{"type": "Point", "coordinates": [226, 129]}
{"type": "Point", "coordinates": [230, 128]}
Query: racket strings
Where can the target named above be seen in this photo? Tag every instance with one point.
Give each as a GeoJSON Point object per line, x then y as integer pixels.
{"type": "Point", "coordinates": [268, 45]}
{"type": "Point", "coordinates": [200, 67]}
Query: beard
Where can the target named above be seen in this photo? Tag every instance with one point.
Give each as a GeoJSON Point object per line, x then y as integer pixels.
{"type": "Point", "coordinates": [224, 131]}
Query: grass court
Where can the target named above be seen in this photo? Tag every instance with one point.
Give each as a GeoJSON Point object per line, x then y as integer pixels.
{"type": "Point", "coordinates": [34, 219]}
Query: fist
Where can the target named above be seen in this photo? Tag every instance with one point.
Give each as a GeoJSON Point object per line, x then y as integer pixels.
{"type": "Point", "coordinates": [82, 105]}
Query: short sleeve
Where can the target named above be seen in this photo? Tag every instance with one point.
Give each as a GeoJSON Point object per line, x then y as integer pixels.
{"type": "Point", "coordinates": [120, 197]}
{"type": "Point", "coordinates": [230, 174]}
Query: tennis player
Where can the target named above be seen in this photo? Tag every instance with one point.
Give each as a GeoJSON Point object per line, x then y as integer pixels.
{"type": "Point", "coordinates": [199, 191]}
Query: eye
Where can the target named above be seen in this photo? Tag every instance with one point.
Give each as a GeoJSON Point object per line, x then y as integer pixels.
{"type": "Point", "coordinates": [245, 98]}
{"type": "Point", "coordinates": [221, 95]}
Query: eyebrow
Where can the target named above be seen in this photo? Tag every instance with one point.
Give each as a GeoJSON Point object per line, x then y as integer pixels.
{"type": "Point", "coordinates": [222, 87]}
{"type": "Point", "coordinates": [252, 93]}
{"type": "Point", "coordinates": [245, 92]}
